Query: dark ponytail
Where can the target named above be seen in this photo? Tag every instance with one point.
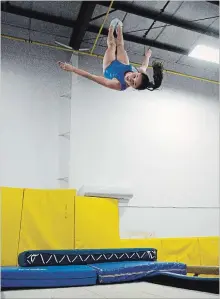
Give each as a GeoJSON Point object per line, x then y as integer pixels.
{"type": "Point", "coordinates": [157, 75]}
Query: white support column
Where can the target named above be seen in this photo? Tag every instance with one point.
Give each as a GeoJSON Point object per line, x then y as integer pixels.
{"type": "Point", "coordinates": [74, 95]}
{"type": "Point", "coordinates": [65, 126]}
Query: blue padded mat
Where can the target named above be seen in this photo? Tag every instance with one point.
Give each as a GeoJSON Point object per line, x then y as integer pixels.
{"type": "Point", "coordinates": [47, 272]}
{"type": "Point", "coordinates": [48, 276]}
{"type": "Point", "coordinates": [46, 283]}
{"type": "Point", "coordinates": [84, 257]}
{"type": "Point", "coordinates": [129, 271]}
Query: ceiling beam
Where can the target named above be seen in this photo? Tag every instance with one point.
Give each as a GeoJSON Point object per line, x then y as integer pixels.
{"type": "Point", "coordinates": [91, 28]}
{"type": "Point", "coordinates": [165, 18]}
{"type": "Point", "coordinates": [85, 14]}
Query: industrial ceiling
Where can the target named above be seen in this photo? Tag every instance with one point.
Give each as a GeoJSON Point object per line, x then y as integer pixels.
{"type": "Point", "coordinates": [170, 28]}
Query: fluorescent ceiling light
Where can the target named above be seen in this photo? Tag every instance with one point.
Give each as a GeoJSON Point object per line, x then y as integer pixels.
{"type": "Point", "coordinates": [205, 53]}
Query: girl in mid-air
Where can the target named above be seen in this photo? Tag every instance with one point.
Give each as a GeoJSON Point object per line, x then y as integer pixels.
{"type": "Point", "coordinates": [118, 73]}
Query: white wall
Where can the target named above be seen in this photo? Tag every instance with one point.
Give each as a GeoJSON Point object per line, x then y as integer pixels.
{"type": "Point", "coordinates": [30, 149]}
{"type": "Point", "coordinates": [164, 145]}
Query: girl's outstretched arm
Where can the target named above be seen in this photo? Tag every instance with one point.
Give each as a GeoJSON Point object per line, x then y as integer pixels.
{"type": "Point", "coordinates": [145, 62]}
{"type": "Point", "coordinates": [113, 84]}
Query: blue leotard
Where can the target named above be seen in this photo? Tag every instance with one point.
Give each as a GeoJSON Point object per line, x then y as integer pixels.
{"type": "Point", "coordinates": [117, 70]}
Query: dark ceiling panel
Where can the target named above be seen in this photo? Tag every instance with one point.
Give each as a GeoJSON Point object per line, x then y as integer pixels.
{"type": "Point", "coordinates": [42, 16]}
{"type": "Point", "coordinates": [18, 21]}
{"type": "Point", "coordinates": [47, 38]}
{"type": "Point", "coordinates": [157, 5]}
{"type": "Point", "coordinates": [14, 31]}
{"type": "Point", "coordinates": [132, 26]}
{"type": "Point", "coordinates": [183, 38]}
{"type": "Point", "coordinates": [65, 9]}
{"type": "Point", "coordinates": [50, 28]}
{"type": "Point", "coordinates": [103, 10]}
{"type": "Point", "coordinates": [23, 4]}
{"type": "Point", "coordinates": [99, 16]}
{"type": "Point", "coordinates": [215, 24]}
{"type": "Point", "coordinates": [192, 10]}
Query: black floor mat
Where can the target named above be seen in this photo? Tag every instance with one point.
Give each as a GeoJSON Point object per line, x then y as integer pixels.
{"type": "Point", "coordinates": [209, 286]}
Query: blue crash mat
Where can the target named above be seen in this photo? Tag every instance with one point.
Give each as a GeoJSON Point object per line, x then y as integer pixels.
{"type": "Point", "coordinates": [130, 271]}
{"type": "Point", "coordinates": [84, 257]}
{"type": "Point", "coordinates": [47, 283]}
{"type": "Point", "coordinates": [56, 276]}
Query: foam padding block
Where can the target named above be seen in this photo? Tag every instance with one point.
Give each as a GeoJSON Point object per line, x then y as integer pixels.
{"type": "Point", "coordinates": [130, 271]}
{"type": "Point", "coordinates": [47, 220]}
{"type": "Point", "coordinates": [184, 250]}
{"type": "Point", "coordinates": [96, 223]}
{"type": "Point", "coordinates": [47, 276]}
{"type": "Point", "coordinates": [11, 210]}
{"type": "Point", "coordinates": [209, 250]}
{"type": "Point", "coordinates": [144, 243]}
{"type": "Point", "coordinates": [84, 257]}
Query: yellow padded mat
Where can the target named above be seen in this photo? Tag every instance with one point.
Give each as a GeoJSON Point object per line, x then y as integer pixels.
{"type": "Point", "coordinates": [96, 223]}
{"type": "Point", "coordinates": [11, 208]}
{"type": "Point", "coordinates": [209, 250]}
{"type": "Point", "coordinates": [183, 250]}
{"type": "Point", "coordinates": [56, 219]}
{"type": "Point", "coordinates": [47, 220]}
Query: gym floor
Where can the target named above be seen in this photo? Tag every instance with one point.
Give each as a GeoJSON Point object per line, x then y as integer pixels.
{"type": "Point", "coordinates": [132, 290]}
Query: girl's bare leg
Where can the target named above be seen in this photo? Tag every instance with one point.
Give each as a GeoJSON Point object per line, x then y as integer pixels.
{"type": "Point", "coordinates": [122, 55]}
{"type": "Point", "coordinates": [110, 52]}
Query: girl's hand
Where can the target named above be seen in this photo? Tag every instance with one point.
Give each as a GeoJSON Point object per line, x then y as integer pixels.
{"type": "Point", "coordinates": [65, 66]}
{"type": "Point", "coordinates": [148, 53]}
{"type": "Point", "coordinates": [142, 69]}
